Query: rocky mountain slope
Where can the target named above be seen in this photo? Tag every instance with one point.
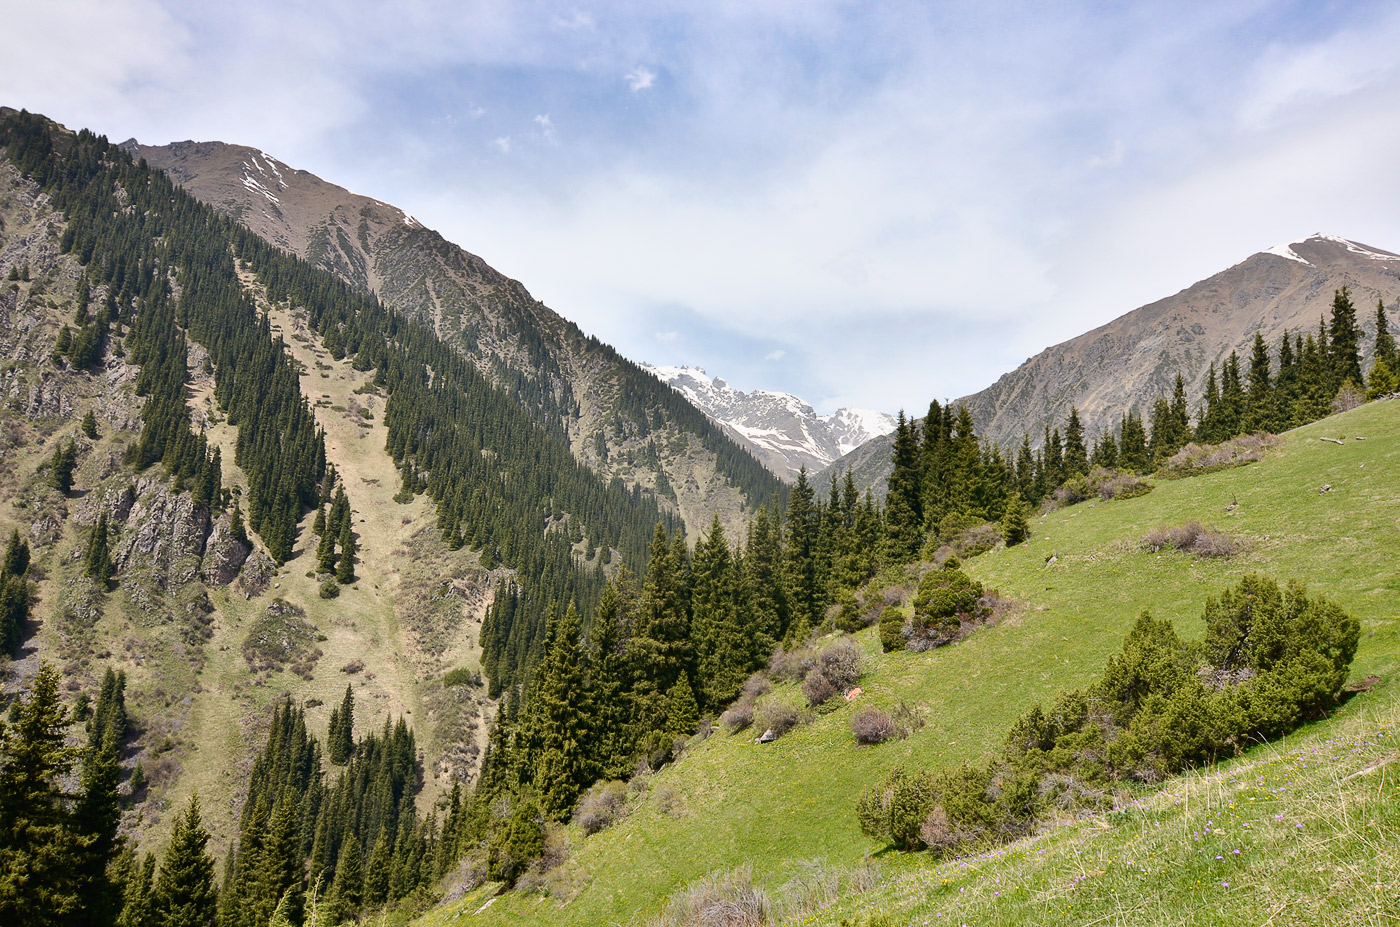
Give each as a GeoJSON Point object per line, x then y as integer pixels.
{"type": "Point", "coordinates": [1132, 360]}
{"type": "Point", "coordinates": [784, 432]}
{"type": "Point", "coordinates": [619, 419]}
{"type": "Point", "coordinates": [208, 630]}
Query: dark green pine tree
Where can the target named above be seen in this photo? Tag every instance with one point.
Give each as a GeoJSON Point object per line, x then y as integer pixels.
{"type": "Point", "coordinates": [1262, 406]}
{"type": "Point", "coordinates": [560, 720]}
{"type": "Point", "coordinates": [138, 890]}
{"type": "Point", "coordinates": [1132, 444]}
{"type": "Point", "coordinates": [40, 855]}
{"type": "Point", "coordinates": [612, 745]}
{"type": "Point", "coordinates": [660, 648]}
{"type": "Point", "coordinates": [904, 517]}
{"type": "Point", "coordinates": [346, 893]}
{"type": "Point", "coordinates": [340, 738]}
{"type": "Point", "coordinates": [97, 563]}
{"type": "Point", "coordinates": [61, 466]}
{"type": "Point", "coordinates": [96, 817]}
{"type": "Point", "coordinates": [1344, 349]}
{"type": "Point", "coordinates": [236, 529]}
{"type": "Point", "coordinates": [683, 713]}
{"type": "Point", "coordinates": [325, 553]}
{"type": "Point", "coordinates": [800, 551]}
{"type": "Point", "coordinates": [345, 568]}
{"type": "Point", "coordinates": [16, 555]}
{"type": "Point", "coordinates": [1385, 341]}
{"type": "Point", "coordinates": [377, 872]}
{"type": "Point", "coordinates": [723, 656]}
{"type": "Point", "coordinates": [1076, 457]}
{"type": "Point", "coordinates": [764, 586]}
{"type": "Point", "coordinates": [184, 893]}
{"type": "Point", "coordinates": [90, 424]}
{"type": "Point", "coordinates": [1015, 521]}
{"type": "Point", "coordinates": [318, 525]}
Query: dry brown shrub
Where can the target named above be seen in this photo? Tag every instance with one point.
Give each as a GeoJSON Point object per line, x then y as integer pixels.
{"type": "Point", "coordinates": [729, 899]}
{"type": "Point", "coordinates": [818, 688]}
{"type": "Point", "coordinates": [1195, 458]}
{"type": "Point", "coordinates": [738, 716]}
{"type": "Point", "coordinates": [841, 663]}
{"type": "Point", "coordinates": [873, 726]}
{"type": "Point", "coordinates": [776, 716]}
{"type": "Point", "coordinates": [601, 805]}
{"type": "Point", "coordinates": [1192, 538]}
{"type": "Point", "coordinates": [791, 665]}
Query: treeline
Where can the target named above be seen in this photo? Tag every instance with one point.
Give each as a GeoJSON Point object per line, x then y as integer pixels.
{"type": "Point", "coordinates": [1270, 660]}
{"type": "Point", "coordinates": [945, 478]}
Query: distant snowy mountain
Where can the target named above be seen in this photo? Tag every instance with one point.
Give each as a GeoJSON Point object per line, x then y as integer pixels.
{"type": "Point", "coordinates": [783, 431]}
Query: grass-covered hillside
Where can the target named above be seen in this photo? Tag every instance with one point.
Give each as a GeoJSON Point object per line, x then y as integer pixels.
{"type": "Point", "coordinates": [1077, 585]}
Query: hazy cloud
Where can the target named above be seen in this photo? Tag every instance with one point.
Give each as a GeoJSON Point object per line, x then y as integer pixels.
{"type": "Point", "coordinates": [775, 355]}
{"type": "Point", "coordinates": [639, 78]}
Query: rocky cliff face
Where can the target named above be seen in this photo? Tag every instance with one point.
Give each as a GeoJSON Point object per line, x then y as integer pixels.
{"type": "Point", "coordinates": [573, 381]}
{"type": "Point", "coordinates": [1132, 360]}
{"type": "Point", "coordinates": [783, 431]}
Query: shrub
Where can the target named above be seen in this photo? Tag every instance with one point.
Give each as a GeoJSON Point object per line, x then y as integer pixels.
{"type": "Point", "coordinates": [977, 540]}
{"type": "Point", "coordinates": [817, 688]}
{"type": "Point", "coordinates": [330, 589]}
{"type": "Point", "coordinates": [738, 716]}
{"type": "Point", "coordinates": [841, 663]}
{"type": "Point", "coordinates": [1015, 521]}
{"type": "Point", "coordinates": [1191, 538]}
{"type": "Point", "coordinates": [792, 665]}
{"type": "Point", "coordinates": [461, 676]}
{"type": "Point", "coordinates": [776, 716]}
{"type": "Point", "coordinates": [945, 597]}
{"type": "Point", "coordinates": [728, 899]}
{"type": "Point", "coordinates": [1273, 659]}
{"type": "Point", "coordinates": [754, 686]}
{"type": "Point", "coordinates": [848, 612]}
{"type": "Point", "coordinates": [1194, 459]}
{"type": "Point", "coordinates": [892, 635]}
{"type": "Point", "coordinates": [872, 726]}
{"type": "Point", "coordinates": [601, 805]}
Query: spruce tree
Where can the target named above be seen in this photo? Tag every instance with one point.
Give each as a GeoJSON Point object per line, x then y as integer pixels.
{"type": "Point", "coordinates": [1385, 341]}
{"type": "Point", "coordinates": [98, 561]}
{"type": "Point", "coordinates": [90, 424]}
{"type": "Point", "coordinates": [61, 466]}
{"type": "Point", "coordinates": [1016, 521]}
{"type": "Point", "coordinates": [904, 519]}
{"type": "Point", "coordinates": [184, 893]}
{"type": "Point", "coordinates": [16, 555]}
{"type": "Point", "coordinates": [340, 739]}
{"type": "Point", "coordinates": [345, 569]}
{"type": "Point", "coordinates": [1076, 457]}
{"type": "Point", "coordinates": [347, 888]}
{"type": "Point", "coordinates": [1344, 350]}
{"type": "Point", "coordinates": [236, 529]}
{"type": "Point", "coordinates": [722, 654]}
{"type": "Point", "coordinates": [40, 854]}
{"type": "Point", "coordinates": [683, 713]}
{"type": "Point", "coordinates": [561, 720]}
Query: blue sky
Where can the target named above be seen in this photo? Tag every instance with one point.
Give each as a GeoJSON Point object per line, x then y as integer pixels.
{"type": "Point", "coordinates": [864, 203]}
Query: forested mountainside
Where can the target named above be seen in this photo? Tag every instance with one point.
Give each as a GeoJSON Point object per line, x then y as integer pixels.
{"type": "Point", "coordinates": [618, 418]}
{"type": "Point", "coordinates": [235, 476]}
{"type": "Point", "coordinates": [1132, 361]}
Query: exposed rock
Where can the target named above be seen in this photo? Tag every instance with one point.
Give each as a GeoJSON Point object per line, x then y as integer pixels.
{"type": "Point", "coordinates": [164, 534]}
{"type": "Point", "coordinates": [224, 554]}
{"type": "Point", "coordinates": [44, 531]}
{"type": "Point", "coordinates": [116, 503]}
{"type": "Point", "coordinates": [257, 572]}
{"type": "Point", "coordinates": [47, 400]}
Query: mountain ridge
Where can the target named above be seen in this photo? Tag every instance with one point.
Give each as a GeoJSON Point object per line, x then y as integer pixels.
{"type": "Point", "coordinates": [1131, 360]}
{"type": "Point", "coordinates": [783, 430]}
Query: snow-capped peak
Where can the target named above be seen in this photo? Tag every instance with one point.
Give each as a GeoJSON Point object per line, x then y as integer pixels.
{"type": "Point", "coordinates": [1287, 251]}
{"type": "Point", "coordinates": [785, 430]}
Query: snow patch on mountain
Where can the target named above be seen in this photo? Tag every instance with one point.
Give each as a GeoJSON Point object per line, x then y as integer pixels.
{"type": "Point", "coordinates": [785, 431]}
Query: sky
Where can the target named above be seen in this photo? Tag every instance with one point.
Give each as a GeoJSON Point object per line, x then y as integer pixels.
{"type": "Point", "coordinates": [868, 204]}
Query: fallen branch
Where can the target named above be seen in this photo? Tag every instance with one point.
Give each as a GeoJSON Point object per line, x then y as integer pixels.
{"type": "Point", "coordinates": [1333, 440]}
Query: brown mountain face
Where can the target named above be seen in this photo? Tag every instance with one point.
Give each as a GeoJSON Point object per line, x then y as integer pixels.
{"type": "Point", "coordinates": [620, 419]}
{"type": "Point", "coordinates": [1135, 358]}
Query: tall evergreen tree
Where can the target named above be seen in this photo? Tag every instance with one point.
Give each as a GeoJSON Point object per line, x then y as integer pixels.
{"type": "Point", "coordinates": [904, 518]}
{"type": "Point", "coordinates": [1344, 350]}
{"type": "Point", "coordinates": [1075, 456]}
{"type": "Point", "coordinates": [184, 893]}
{"type": "Point", "coordinates": [722, 655]}
{"type": "Point", "coordinates": [561, 720]}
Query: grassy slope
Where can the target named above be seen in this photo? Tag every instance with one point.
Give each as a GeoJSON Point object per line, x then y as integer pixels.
{"type": "Point", "coordinates": [779, 804]}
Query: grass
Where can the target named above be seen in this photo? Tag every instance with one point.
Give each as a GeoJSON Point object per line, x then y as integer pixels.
{"type": "Point", "coordinates": [776, 805]}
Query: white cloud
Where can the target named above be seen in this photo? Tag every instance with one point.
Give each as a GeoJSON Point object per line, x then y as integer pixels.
{"type": "Point", "coordinates": [578, 19]}
{"type": "Point", "coordinates": [666, 337]}
{"type": "Point", "coordinates": [640, 78]}
{"type": "Point", "coordinates": [546, 128]}
{"type": "Point", "coordinates": [502, 144]}
{"type": "Point", "coordinates": [775, 355]}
